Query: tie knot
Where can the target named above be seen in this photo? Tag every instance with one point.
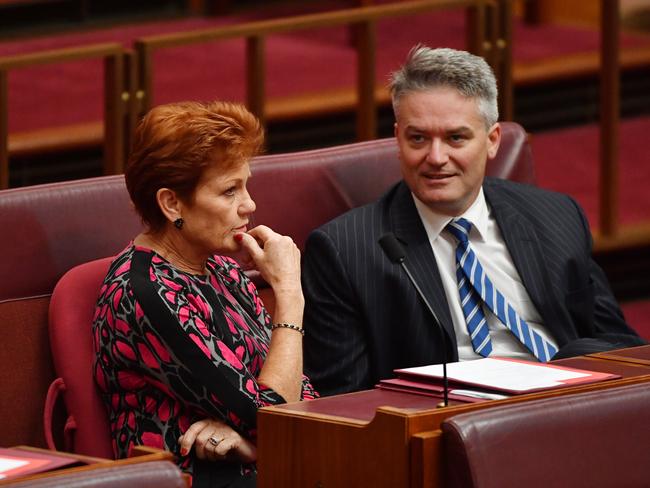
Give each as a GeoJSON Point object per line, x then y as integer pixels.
{"type": "Point", "coordinates": [460, 228]}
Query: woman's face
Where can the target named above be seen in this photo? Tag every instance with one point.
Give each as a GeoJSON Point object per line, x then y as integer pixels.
{"type": "Point", "coordinates": [220, 208]}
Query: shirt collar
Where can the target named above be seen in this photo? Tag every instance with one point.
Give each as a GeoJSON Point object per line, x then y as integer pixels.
{"type": "Point", "coordinates": [434, 223]}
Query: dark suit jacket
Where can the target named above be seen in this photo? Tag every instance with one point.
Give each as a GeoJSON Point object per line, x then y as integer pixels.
{"type": "Point", "coordinates": [363, 318]}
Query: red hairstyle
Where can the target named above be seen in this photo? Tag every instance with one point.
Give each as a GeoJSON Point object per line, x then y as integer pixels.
{"type": "Point", "coordinates": [174, 144]}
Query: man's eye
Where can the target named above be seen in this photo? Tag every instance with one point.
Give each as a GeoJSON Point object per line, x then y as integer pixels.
{"type": "Point", "coordinates": [416, 138]}
{"type": "Point", "coordinates": [456, 138]}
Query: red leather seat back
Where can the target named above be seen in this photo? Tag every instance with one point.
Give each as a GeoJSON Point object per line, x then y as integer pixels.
{"type": "Point", "coordinates": [599, 438]}
{"type": "Point", "coordinates": [56, 226]}
{"type": "Point", "coordinates": [297, 192]}
{"type": "Point", "coordinates": [71, 315]}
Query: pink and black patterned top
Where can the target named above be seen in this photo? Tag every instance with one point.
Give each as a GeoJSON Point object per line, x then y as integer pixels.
{"type": "Point", "coordinates": [173, 348]}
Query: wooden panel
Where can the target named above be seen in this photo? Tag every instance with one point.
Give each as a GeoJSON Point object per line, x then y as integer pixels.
{"type": "Point", "coordinates": [26, 372]}
{"type": "Point", "coordinates": [426, 468]}
{"type": "Point", "coordinates": [340, 453]}
{"type": "Point", "coordinates": [326, 442]}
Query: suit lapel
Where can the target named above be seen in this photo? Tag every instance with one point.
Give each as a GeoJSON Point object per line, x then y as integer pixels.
{"type": "Point", "coordinates": [523, 244]}
{"type": "Point", "coordinates": [407, 227]}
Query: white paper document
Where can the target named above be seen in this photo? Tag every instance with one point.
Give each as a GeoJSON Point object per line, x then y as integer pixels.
{"type": "Point", "coordinates": [503, 374]}
{"type": "Point", "coordinates": [7, 464]}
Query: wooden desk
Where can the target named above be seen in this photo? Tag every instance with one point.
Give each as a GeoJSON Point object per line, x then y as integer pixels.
{"type": "Point", "coordinates": [634, 355]}
{"type": "Point", "coordinates": [380, 438]}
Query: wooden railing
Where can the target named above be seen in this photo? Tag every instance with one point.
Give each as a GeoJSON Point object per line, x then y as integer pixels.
{"type": "Point", "coordinates": [129, 82]}
{"type": "Point", "coordinates": [115, 109]}
{"type": "Point", "coordinates": [485, 35]}
{"type": "Point", "coordinates": [610, 235]}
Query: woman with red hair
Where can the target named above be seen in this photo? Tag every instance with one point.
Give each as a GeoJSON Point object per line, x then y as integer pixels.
{"type": "Point", "coordinates": [185, 350]}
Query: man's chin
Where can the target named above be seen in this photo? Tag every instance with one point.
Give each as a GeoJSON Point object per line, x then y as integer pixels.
{"type": "Point", "coordinates": [443, 203]}
{"type": "Point", "coordinates": [438, 197]}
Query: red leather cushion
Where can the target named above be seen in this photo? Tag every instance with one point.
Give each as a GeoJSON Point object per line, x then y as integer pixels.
{"type": "Point", "coordinates": [599, 438]}
{"type": "Point", "coordinates": [71, 314]}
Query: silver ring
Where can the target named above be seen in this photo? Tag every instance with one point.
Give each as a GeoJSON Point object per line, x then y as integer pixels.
{"type": "Point", "coordinates": [214, 441]}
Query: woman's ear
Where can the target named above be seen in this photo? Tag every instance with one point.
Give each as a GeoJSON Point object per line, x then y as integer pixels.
{"type": "Point", "coordinates": [170, 205]}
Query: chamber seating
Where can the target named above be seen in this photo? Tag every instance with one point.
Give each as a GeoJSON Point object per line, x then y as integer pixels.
{"type": "Point", "coordinates": [52, 228]}
{"type": "Point", "coordinates": [594, 439]}
{"type": "Point", "coordinates": [86, 429]}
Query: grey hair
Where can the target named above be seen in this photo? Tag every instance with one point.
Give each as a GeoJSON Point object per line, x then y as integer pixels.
{"type": "Point", "coordinates": [426, 68]}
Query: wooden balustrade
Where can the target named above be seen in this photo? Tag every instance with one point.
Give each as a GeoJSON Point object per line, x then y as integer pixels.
{"type": "Point", "coordinates": [495, 48]}
{"type": "Point", "coordinates": [114, 98]}
{"type": "Point", "coordinates": [609, 116]}
{"type": "Point", "coordinates": [129, 80]}
{"type": "Point", "coordinates": [610, 235]}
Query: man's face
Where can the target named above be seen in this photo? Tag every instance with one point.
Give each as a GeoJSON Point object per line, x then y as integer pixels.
{"type": "Point", "coordinates": [444, 147]}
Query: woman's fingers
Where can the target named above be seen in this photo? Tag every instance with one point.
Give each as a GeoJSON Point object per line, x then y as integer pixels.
{"type": "Point", "coordinates": [262, 233]}
{"type": "Point", "coordinates": [189, 437]}
{"type": "Point", "coordinates": [251, 246]}
{"type": "Point", "coordinates": [276, 257]}
{"type": "Point", "coordinates": [213, 441]}
{"type": "Point", "coordinates": [224, 446]}
{"type": "Point", "coordinates": [202, 446]}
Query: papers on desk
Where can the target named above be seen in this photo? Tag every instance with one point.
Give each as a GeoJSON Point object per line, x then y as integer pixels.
{"type": "Point", "coordinates": [20, 462]}
{"type": "Point", "coordinates": [504, 375]}
{"type": "Point", "coordinates": [7, 465]}
{"type": "Point", "coordinates": [435, 390]}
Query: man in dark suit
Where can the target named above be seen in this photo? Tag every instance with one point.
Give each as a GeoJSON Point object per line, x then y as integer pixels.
{"type": "Point", "coordinates": [364, 318]}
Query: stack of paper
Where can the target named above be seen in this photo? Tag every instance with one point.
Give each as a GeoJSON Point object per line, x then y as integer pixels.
{"type": "Point", "coordinates": [489, 378]}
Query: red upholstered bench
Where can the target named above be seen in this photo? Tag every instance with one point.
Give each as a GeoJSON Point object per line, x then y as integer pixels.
{"type": "Point", "coordinates": [594, 439]}
{"type": "Point", "coordinates": [51, 228]}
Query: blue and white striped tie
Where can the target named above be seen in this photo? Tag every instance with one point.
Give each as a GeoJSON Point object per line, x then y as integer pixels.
{"type": "Point", "coordinates": [474, 286]}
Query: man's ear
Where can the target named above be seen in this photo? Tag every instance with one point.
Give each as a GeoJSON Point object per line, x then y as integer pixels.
{"type": "Point", "coordinates": [170, 205]}
{"type": "Point", "coordinates": [494, 139]}
{"type": "Point", "coordinates": [396, 133]}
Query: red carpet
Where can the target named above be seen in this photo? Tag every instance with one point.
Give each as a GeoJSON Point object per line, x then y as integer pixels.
{"type": "Point", "coordinates": [567, 161]}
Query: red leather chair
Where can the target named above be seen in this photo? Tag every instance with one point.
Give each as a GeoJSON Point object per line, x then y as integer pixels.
{"type": "Point", "coordinates": [595, 439]}
{"type": "Point", "coordinates": [72, 306]}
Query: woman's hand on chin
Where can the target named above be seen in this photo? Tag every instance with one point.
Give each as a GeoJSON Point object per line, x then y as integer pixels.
{"type": "Point", "coordinates": [215, 441]}
{"type": "Point", "coordinates": [275, 256]}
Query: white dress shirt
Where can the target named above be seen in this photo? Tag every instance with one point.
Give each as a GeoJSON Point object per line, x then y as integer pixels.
{"type": "Point", "coordinates": [488, 245]}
